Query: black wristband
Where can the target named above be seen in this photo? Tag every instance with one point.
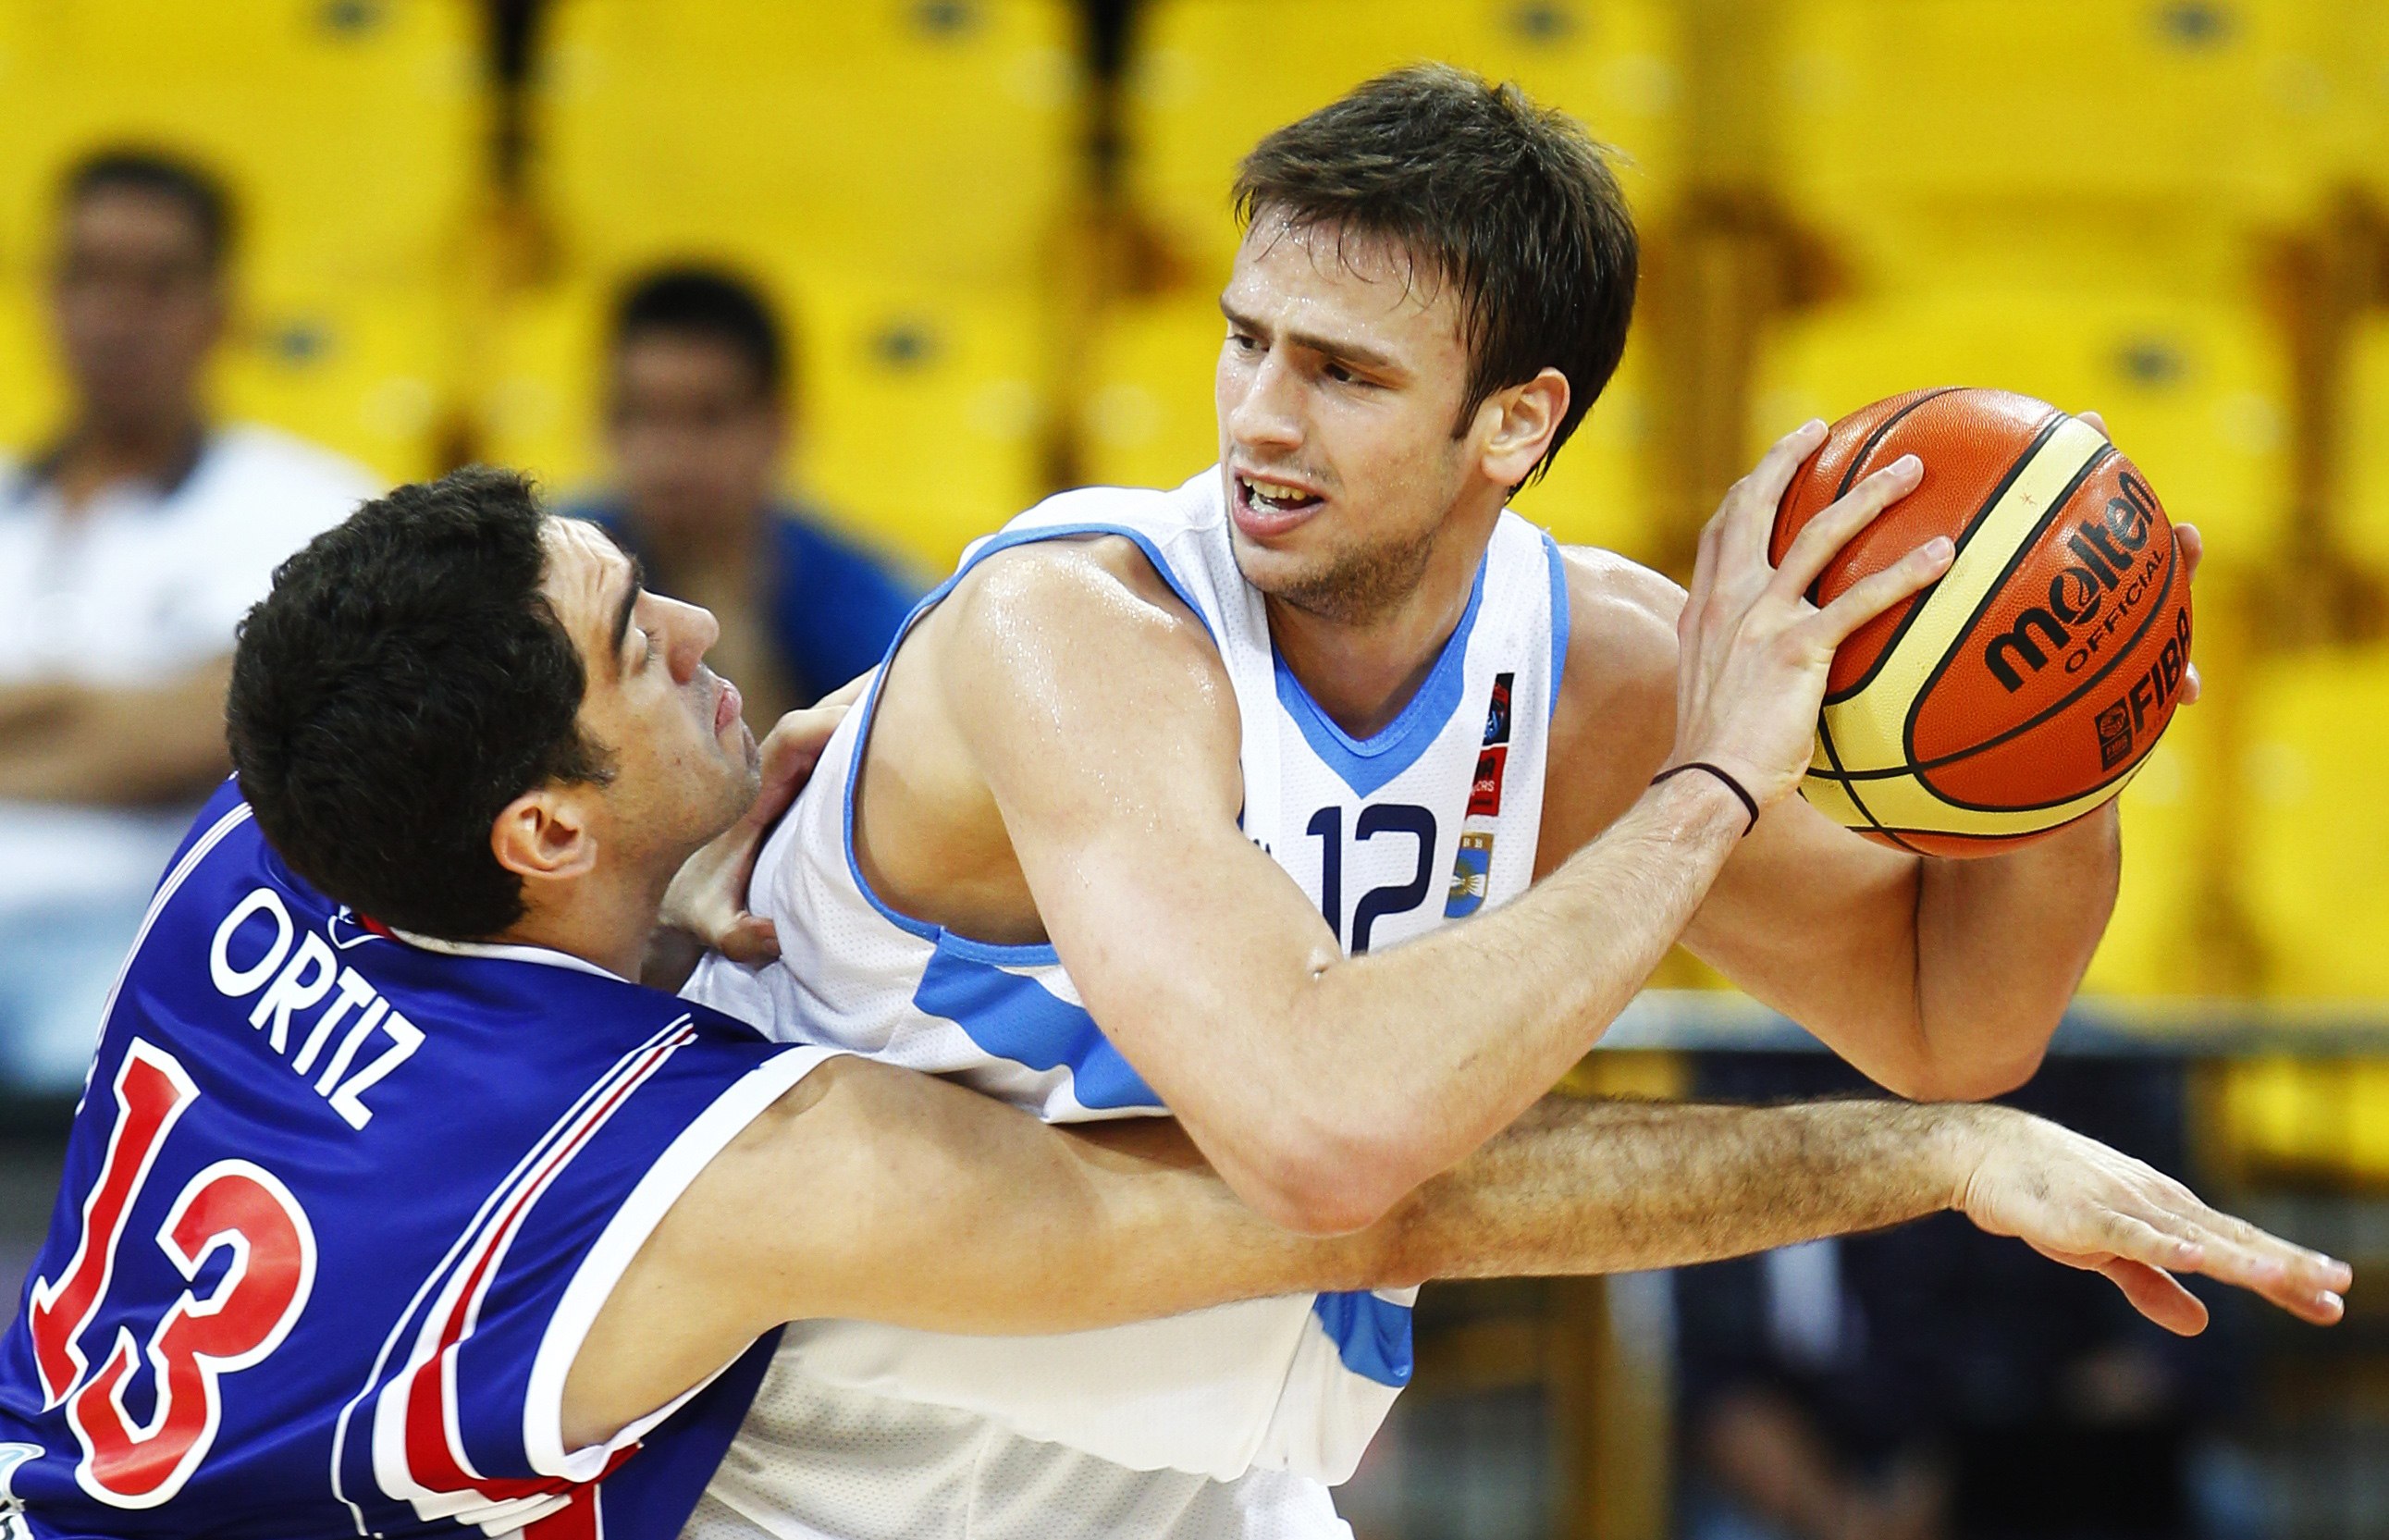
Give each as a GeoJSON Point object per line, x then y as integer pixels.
{"type": "Point", "coordinates": [1749, 803]}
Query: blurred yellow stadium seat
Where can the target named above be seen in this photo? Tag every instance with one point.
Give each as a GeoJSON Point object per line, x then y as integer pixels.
{"type": "Point", "coordinates": [2193, 390]}
{"type": "Point", "coordinates": [2317, 839]}
{"type": "Point", "coordinates": [351, 130]}
{"type": "Point", "coordinates": [350, 133]}
{"type": "Point", "coordinates": [922, 416]}
{"type": "Point", "coordinates": [2283, 1116]}
{"type": "Point", "coordinates": [28, 391]}
{"type": "Point", "coordinates": [1149, 419]}
{"type": "Point", "coordinates": [2355, 47]}
{"type": "Point", "coordinates": [366, 372]}
{"type": "Point", "coordinates": [1889, 109]}
{"type": "Point", "coordinates": [2364, 438]}
{"type": "Point", "coordinates": [1212, 76]}
{"type": "Point", "coordinates": [1599, 490]}
{"type": "Point", "coordinates": [1150, 422]}
{"type": "Point", "coordinates": [2151, 939]}
{"type": "Point", "coordinates": [930, 137]}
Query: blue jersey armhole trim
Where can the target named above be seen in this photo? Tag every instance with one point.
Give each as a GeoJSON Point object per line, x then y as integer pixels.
{"type": "Point", "coordinates": [980, 951]}
{"type": "Point", "coordinates": [1366, 765]}
{"type": "Point", "coordinates": [1561, 618]}
{"type": "Point", "coordinates": [1371, 1335]}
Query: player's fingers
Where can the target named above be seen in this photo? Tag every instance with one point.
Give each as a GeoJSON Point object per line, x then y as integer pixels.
{"type": "Point", "coordinates": [2286, 1286]}
{"type": "Point", "coordinates": [800, 735]}
{"type": "Point", "coordinates": [790, 750]}
{"type": "Point", "coordinates": [1877, 592]}
{"type": "Point", "coordinates": [2158, 1295]}
{"type": "Point", "coordinates": [1825, 535]}
{"type": "Point", "coordinates": [2307, 1266]}
{"type": "Point", "coordinates": [2095, 420]}
{"type": "Point", "coordinates": [2232, 1251]}
{"type": "Point", "coordinates": [2191, 547]}
{"type": "Point", "coordinates": [1750, 509]}
{"type": "Point", "coordinates": [750, 940]}
{"type": "Point", "coordinates": [2306, 1283]}
{"type": "Point", "coordinates": [1704, 582]}
{"type": "Point", "coordinates": [2149, 1286]}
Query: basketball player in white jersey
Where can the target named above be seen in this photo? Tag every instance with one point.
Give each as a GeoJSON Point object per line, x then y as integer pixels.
{"type": "Point", "coordinates": [1336, 810]}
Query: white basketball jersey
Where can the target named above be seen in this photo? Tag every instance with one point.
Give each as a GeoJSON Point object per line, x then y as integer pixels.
{"type": "Point", "coordinates": [1428, 821]}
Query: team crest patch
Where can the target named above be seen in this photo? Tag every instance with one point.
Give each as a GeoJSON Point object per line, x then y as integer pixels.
{"type": "Point", "coordinates": [1485, 795]}
{"type": "Point", "coordinates": [1497, 710]}
{"type": "Point", "coordinates": [1472, 874]}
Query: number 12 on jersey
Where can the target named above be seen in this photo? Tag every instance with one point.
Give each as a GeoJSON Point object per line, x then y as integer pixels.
{"type": "Point", "coordinates": [1377, 819]}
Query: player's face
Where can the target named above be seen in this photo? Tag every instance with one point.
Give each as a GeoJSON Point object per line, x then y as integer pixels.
{"type": "Point", "coordinates": [137, 306]}
{"type": "Point", "coordinates": [1340, 383]}
{"type": "Point", "coordinates": [697, 440]}
{"type": "Point", "coordinates": [685, 762]}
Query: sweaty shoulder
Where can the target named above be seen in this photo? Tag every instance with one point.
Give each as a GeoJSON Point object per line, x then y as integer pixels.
{"type": "Point", "coordinates": [1060, 681]}
{"type": "Point", "coordinates": [1617, 714]}
{"type": "Point", "coordinates": [1080, 614]}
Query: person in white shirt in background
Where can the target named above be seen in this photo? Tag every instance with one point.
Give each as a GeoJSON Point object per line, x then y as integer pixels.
{"type": "Point", "coordinates": [129, 546]}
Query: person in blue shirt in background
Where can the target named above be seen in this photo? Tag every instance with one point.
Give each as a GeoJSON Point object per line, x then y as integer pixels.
{"type": "Point", "coordinates": [699, 417]}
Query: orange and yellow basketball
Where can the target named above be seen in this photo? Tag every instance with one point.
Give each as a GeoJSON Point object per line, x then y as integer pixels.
{"type": "Point", "coordinates": [2028, 684]}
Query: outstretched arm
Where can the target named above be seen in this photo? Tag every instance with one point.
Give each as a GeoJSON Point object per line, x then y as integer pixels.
{"type": "Point", "coordinates": [874, 1193]}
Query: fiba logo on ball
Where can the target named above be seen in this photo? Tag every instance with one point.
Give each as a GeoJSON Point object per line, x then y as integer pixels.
{"type": "Point", "coordinates": [1988, 709]}
{"type": "Point", "coordinates": [2114, 735]}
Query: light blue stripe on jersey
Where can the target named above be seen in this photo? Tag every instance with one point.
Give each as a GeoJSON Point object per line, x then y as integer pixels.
{"type": "Point", "coordinates": [1371, 1335]}
{"type": "Point", "coordinates": [1560, 618]}
{"type": "Point", "coordinates": [1016, 1018]}
{"type": "Point", "coordinates": [967, 982]}
{"type": "Point", "coordinates": [1364, 764]}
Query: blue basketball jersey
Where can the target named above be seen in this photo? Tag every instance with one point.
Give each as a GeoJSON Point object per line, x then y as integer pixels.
{"type": "Point", "coordinates": [339, 1208]}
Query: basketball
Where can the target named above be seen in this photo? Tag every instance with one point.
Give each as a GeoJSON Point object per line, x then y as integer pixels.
{"type": "Point", "coordinates": [2023, 688]}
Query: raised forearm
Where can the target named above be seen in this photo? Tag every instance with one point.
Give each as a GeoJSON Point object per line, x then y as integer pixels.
{"type": "Point", "coordinates": [1461, 1030]}
{"type": "Point", "coordinates": [2002, 944]}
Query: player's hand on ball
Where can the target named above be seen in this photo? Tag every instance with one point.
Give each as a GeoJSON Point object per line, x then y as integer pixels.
{"type": "Point", "coordinates": [1754, 651]}
{"type": "Point", "coordinates": [707, 897]}
{"type": "Point", "coordinates": [2076, 1202]}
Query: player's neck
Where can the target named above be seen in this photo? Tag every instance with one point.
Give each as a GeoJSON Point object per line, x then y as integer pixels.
{"type": "Point", "coordinates": [607, 919]}
{"type": "Point", "coordinates": [1361, 673]}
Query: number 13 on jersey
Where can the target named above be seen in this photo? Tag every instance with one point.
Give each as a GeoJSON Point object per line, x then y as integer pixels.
{"type": "Point", "coordinates": [232, 1206]}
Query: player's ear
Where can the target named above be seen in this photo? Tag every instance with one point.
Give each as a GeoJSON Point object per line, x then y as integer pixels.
{"type": "Point", "coordinates": [545, 835]}
{"type": "Point", "coordinates": [1525, 419]}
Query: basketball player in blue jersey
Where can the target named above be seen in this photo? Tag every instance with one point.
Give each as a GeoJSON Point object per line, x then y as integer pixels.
{"type": "Point", "coordinates": [395, 1209]}
{"type": "Point", "coordinates": [1334, 810]}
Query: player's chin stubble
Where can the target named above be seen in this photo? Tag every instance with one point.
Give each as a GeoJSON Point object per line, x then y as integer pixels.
{"type": "Point", "coordinates": [1358, 586]}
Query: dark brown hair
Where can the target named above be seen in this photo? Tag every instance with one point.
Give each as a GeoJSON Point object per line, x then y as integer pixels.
{"type": "Point", "coordinates": [1514, 203]}
{"type": "Point", "coordinates": [404, 682]}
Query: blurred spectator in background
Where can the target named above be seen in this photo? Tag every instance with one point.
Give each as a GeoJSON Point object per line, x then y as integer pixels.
{"type": "Point", "coordinates": [1932, 1383]}
{"type": "Point", "coordinates": [699, 418]}
{"type": "Point", "coordinates": [129, 546]}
